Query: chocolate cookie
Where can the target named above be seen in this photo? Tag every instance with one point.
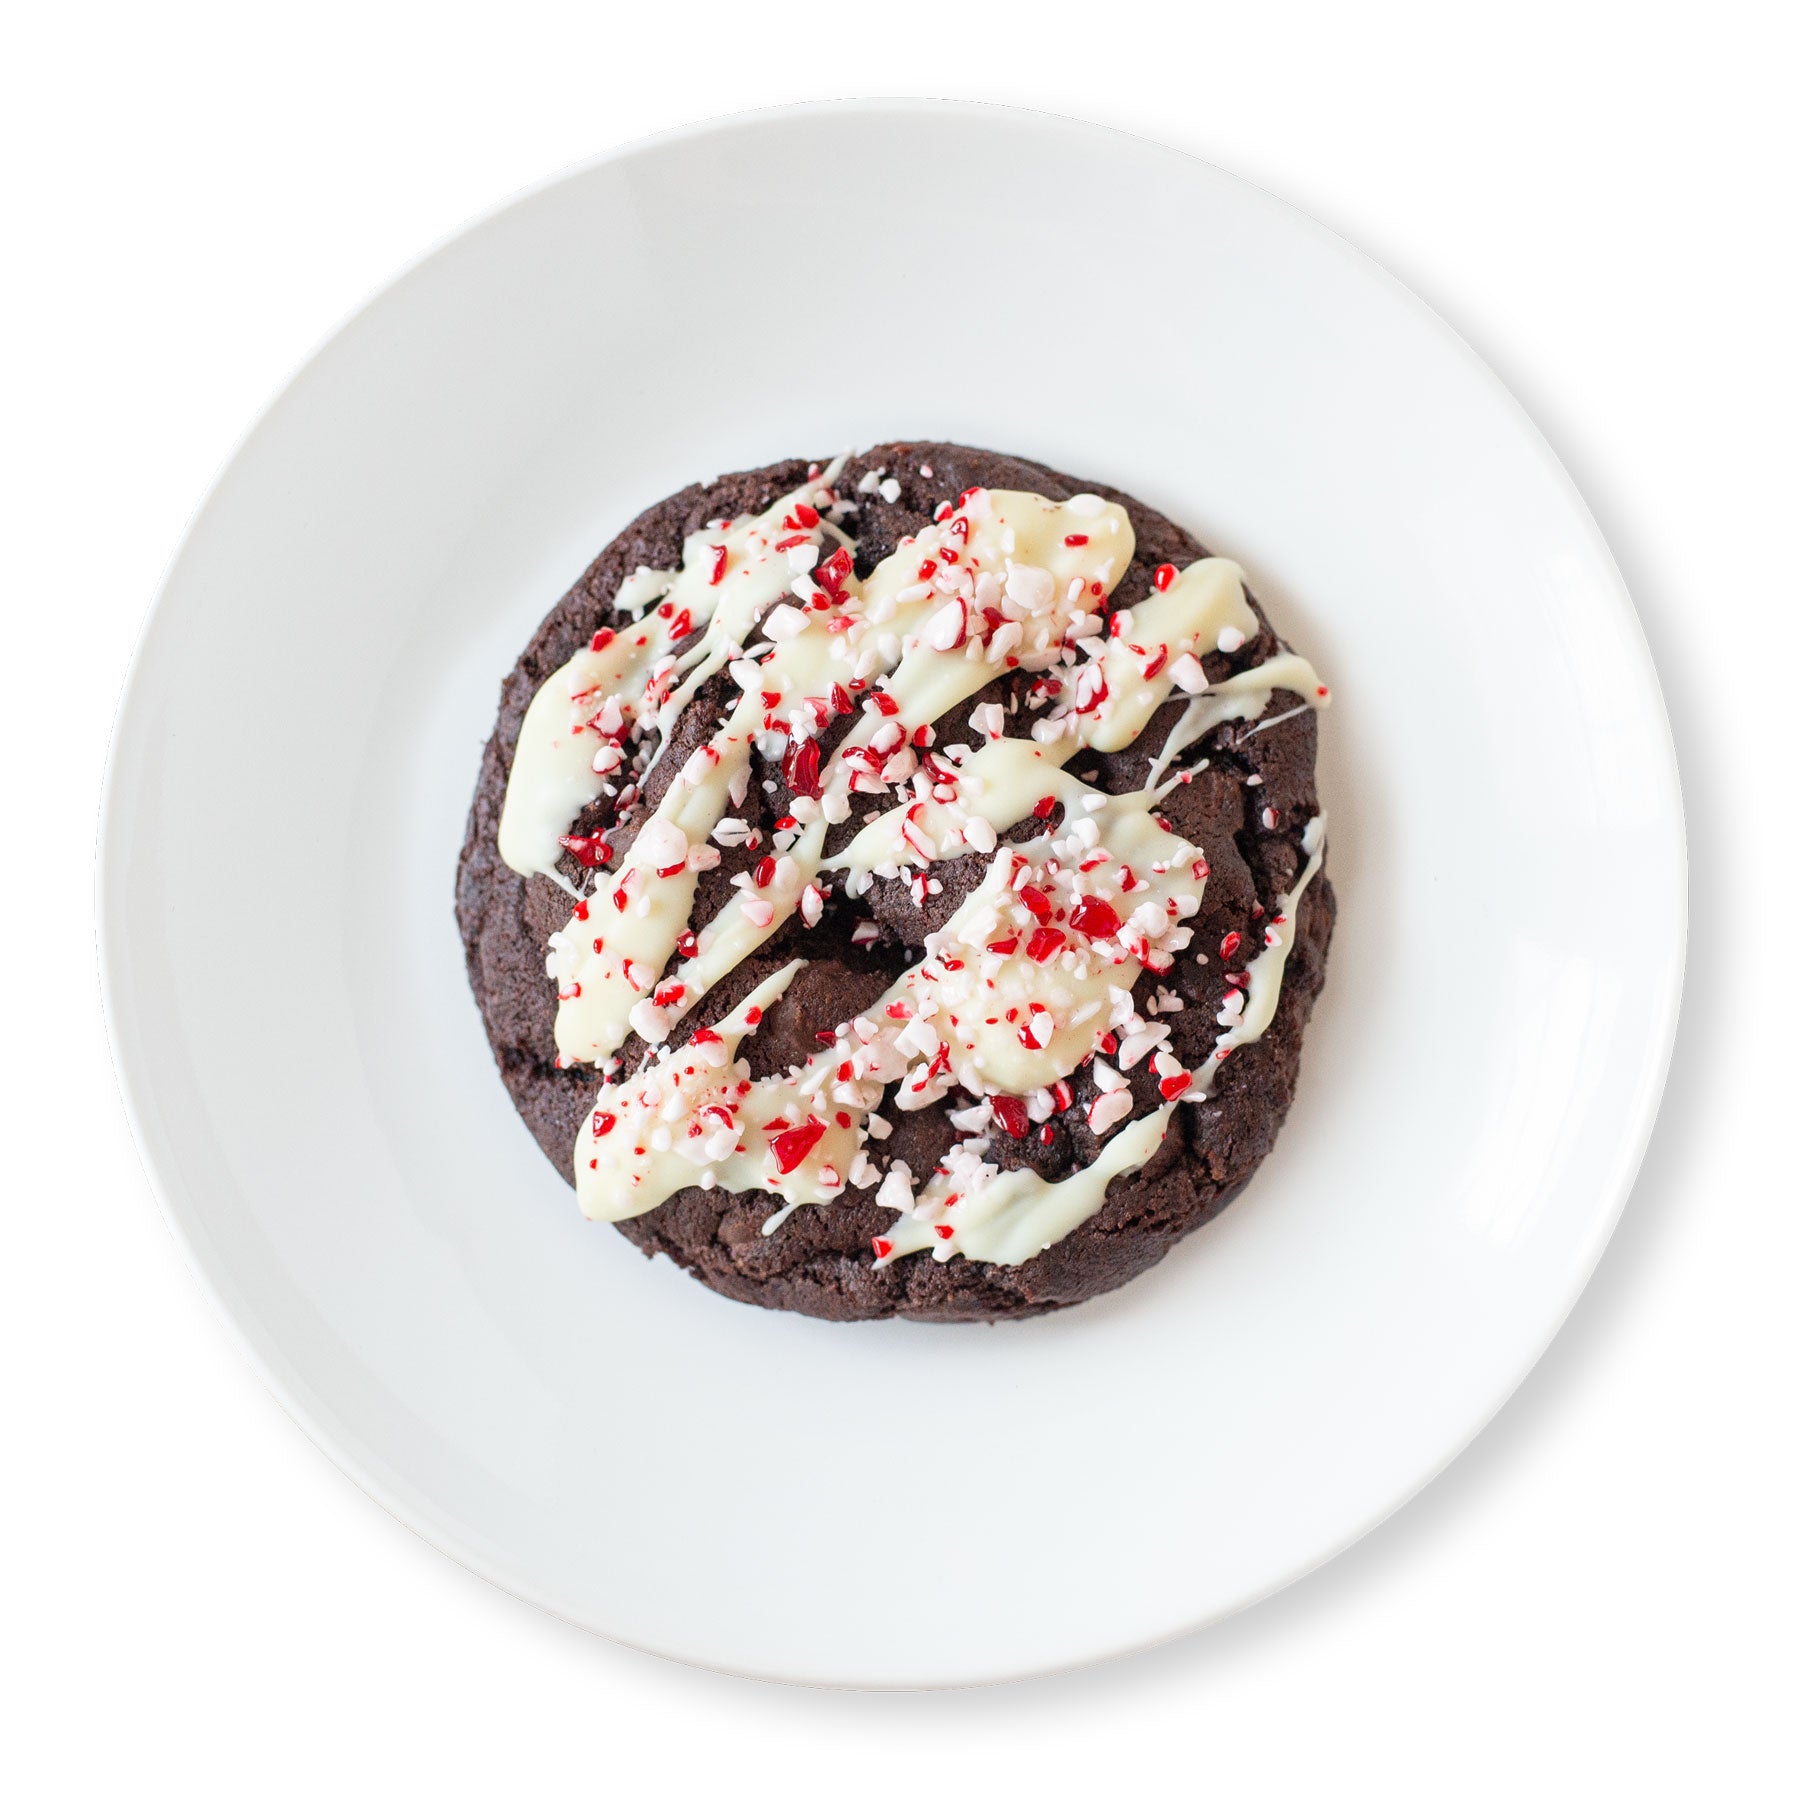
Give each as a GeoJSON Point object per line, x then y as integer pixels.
{"type": "Point", "coordinates": [895, 887]}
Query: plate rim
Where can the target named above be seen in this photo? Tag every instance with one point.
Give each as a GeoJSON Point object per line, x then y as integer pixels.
{"type": "Point", "coordinates": [240, 1318]}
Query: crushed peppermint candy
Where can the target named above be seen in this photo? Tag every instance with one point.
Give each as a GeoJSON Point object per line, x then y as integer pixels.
{"type": "Point", "coordinates": [1024, 997]}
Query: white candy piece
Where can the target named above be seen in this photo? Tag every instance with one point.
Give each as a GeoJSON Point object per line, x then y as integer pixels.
{"type": "Point", "coordinates": [783, 622]}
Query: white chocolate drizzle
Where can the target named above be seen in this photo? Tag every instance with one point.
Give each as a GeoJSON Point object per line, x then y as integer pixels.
{"type": "Point", "coordinates": [1033, 974]}
{"type": "Point", "coordinates": [1238, 697]}
{"type": "Point", "coordinates": [1019, 1213]}
{"type": "Point", "coordinates": [917, 639]}
{"type": "Point", "coordinates": [571, 738]}
{"type": "Point", "coordinates": [972, 1015]}
{"type": "Point", "coordinates": [1249, 1008]}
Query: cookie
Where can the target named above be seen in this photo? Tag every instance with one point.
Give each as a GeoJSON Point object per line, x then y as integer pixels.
{"type": "Point", "coordinates": [896, 888]}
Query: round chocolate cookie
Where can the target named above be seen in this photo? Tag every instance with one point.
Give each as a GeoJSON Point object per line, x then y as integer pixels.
{"type": "Point", "coordinates": [858, 841]}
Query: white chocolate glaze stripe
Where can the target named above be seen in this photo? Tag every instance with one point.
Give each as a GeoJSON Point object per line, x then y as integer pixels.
{"type": "Point", "coordinates": [729, 575]}
{"type": "Point", "coordinates": [1249, 1008]}
{"type": "Point", "coordinates": [1018, 1214]}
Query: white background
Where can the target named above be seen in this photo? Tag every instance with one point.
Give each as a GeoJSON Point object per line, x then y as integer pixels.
{"type": "Point", "coordinates": [1598, 1597]}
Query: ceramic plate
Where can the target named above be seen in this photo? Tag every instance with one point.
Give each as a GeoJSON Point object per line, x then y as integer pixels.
{"type": "Point", "coordinates": [889, 1504]}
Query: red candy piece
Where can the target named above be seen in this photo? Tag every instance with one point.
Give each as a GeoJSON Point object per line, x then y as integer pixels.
{"type": "Point", "coordinates": [832, 573]}
{"type": "Point", "coordinates": [1010, 1111]}
{"type": "Point", "coordinates": [801, 767]}
{"type": "Point", "coordinates": [590, 852]}
{"type": "Point", "coordinates": [1094, 917]}
{"type": "Point", "coordinates": [791, 1148]}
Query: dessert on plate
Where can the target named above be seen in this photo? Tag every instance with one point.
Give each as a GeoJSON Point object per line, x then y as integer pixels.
{"type": "Point", "coordinates": [896, 885]}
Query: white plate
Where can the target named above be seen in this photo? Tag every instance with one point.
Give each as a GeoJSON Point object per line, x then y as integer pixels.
{"type": "Point", "coordinates": [889, 1504]}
